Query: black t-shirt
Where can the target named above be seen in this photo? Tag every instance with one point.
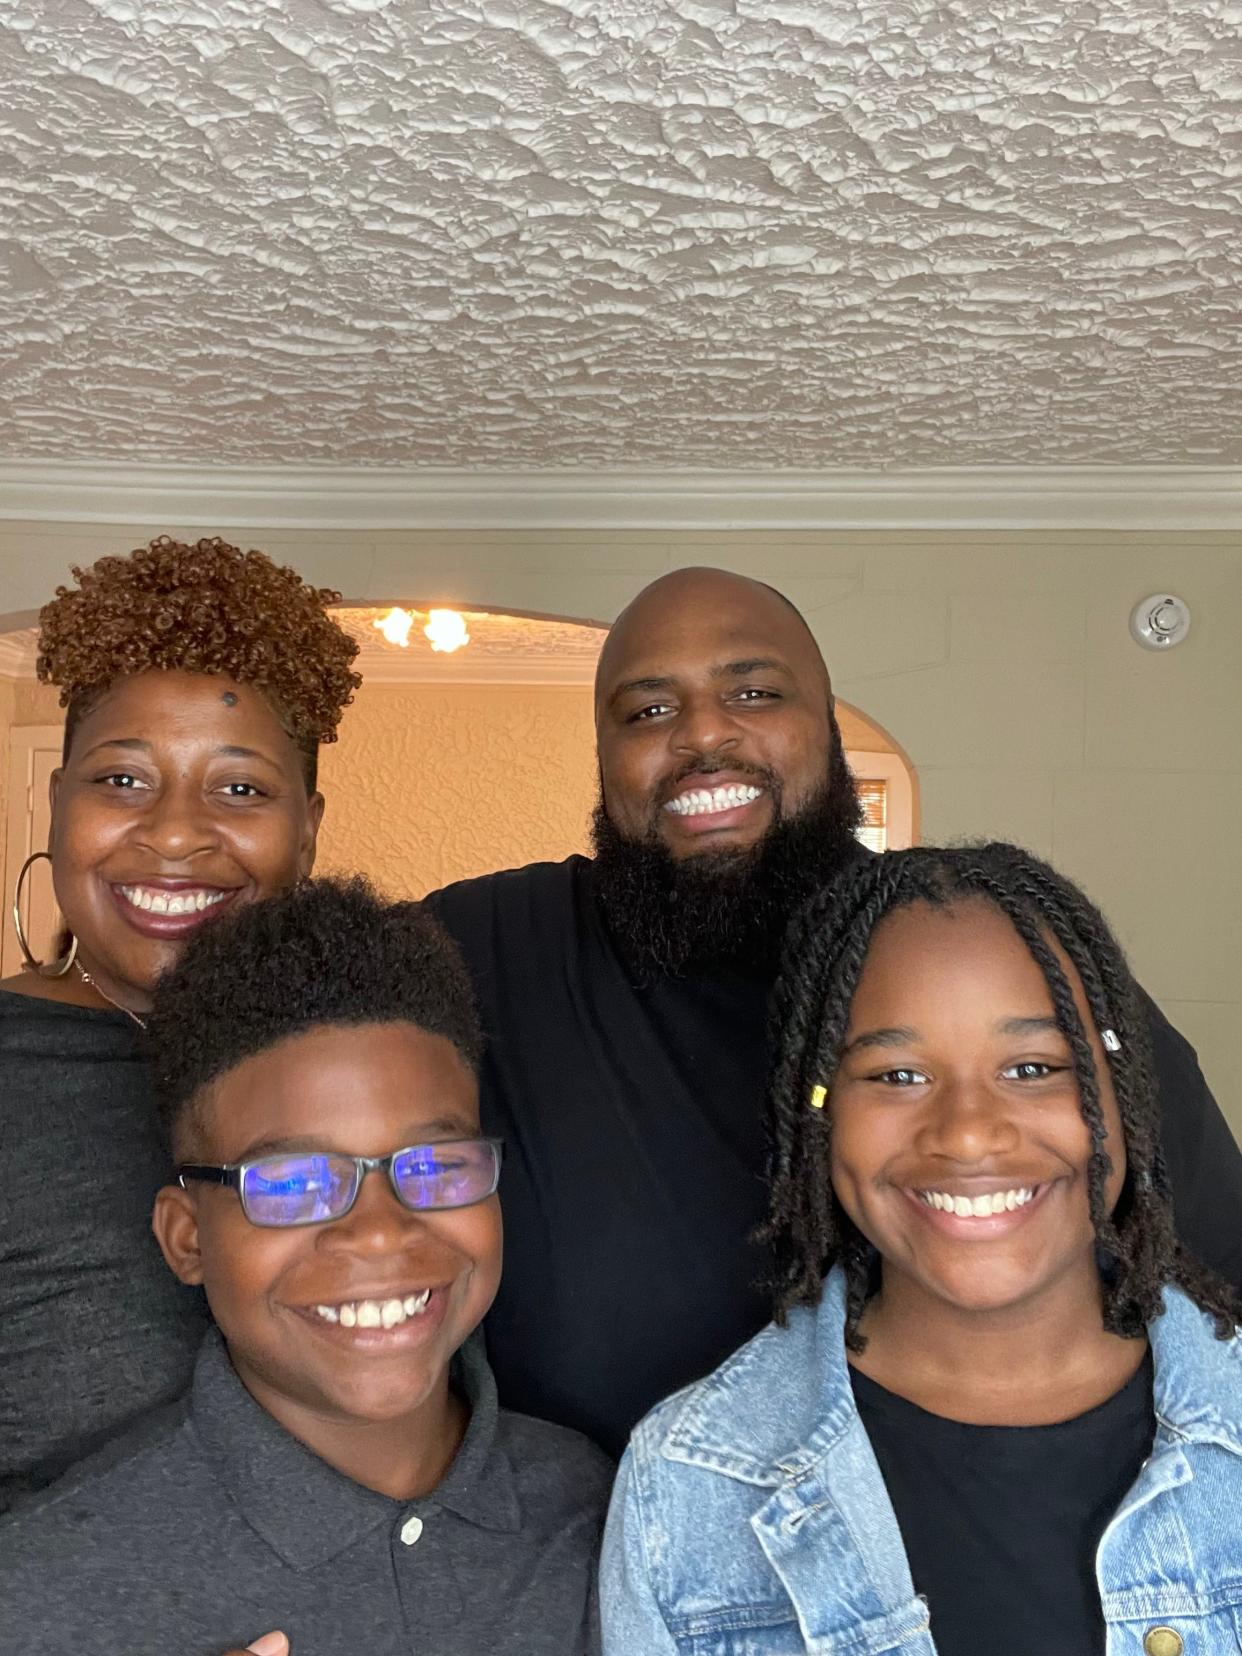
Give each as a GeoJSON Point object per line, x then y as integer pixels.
{"type": "Point", "coordinates": [1001, 1523]}
{"type": "Point", "coordinates": [635, 1153]}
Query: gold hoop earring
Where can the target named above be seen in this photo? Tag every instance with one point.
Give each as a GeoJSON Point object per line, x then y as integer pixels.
{"type": "Point", "coordinates": [57, 968]}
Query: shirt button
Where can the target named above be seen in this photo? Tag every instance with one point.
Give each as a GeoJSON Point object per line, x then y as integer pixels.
{"type": "Point", "coordinates": [1162, 1641]}
{"type": "Point", "coordinates": [413, 1528]}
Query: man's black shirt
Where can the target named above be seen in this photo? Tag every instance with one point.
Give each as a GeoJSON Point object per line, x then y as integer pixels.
{"type": "Point", "coordinates": [633, 1120]}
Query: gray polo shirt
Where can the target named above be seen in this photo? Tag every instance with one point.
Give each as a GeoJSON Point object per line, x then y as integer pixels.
{"type": "Point", "coordinates": [209, 1524]}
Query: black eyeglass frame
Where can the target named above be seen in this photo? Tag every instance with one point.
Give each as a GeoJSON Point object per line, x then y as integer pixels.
{"type": "Point", "coordinates": [232, 1176]}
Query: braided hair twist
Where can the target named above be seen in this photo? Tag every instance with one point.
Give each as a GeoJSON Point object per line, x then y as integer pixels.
{"type": "Point", "coordinates": [807, 1229]}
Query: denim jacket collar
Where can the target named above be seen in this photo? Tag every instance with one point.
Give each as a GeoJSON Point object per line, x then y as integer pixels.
{"type": "Point", "coordinates": [784, 1432]}
{"type": "Point", "coordinates": [1198, 1378]}
{"type": "Point", "coordinates": [780, 1414]}
{"type": "Point", "coordinates": [778, 1420]}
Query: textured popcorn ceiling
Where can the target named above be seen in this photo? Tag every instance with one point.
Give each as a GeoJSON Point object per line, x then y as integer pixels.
{"type": "Point", "coordinates": [621, 232]}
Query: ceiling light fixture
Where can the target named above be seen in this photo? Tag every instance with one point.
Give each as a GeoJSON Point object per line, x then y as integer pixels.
{"type": "Point", "coordinates": [446, 631]}
{"type": "Point", "coordinates": [395, 627]}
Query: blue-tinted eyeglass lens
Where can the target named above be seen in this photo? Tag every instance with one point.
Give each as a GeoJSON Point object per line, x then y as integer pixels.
{"type": "Point", "coordinates": [298, 1190]}
{"type": "Point", "coordinates": [446, 1175]}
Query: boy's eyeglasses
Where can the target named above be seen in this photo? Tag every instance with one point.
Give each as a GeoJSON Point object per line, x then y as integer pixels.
{"type": "Point", "coordinates": [312, 1187]}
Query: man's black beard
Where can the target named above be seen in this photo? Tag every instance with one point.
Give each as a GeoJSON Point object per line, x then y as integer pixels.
{"type": "Point", "coordinates": [669, 914]}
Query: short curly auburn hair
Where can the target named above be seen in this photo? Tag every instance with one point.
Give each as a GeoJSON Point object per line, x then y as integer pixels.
{"type": "Point", "coordinates": [202, 608]}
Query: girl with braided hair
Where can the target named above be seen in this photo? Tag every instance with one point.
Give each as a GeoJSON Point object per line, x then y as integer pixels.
{"type": "Point", "coordinates": [1000, 1408]}
{"type": "Point", "coordinates": [199, 681]}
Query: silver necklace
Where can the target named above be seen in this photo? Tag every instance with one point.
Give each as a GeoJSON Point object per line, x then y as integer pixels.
{"type": "Point", "coordinates": [100, 990]}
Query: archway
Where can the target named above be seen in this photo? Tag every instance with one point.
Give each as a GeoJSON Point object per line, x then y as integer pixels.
{"type": "Point", "coordinates": [888, 783]}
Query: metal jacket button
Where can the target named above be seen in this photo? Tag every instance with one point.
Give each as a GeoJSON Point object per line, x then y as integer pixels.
{"type": "Point", "coordinates": [1162, 1641]}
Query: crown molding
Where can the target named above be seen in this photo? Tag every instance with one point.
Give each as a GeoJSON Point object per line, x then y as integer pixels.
{"type": "Point", "coordinates": [333, 497]}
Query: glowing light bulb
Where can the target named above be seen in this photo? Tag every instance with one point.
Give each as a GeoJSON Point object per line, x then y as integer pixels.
{"type": "Point", "coordinates": [446, 631]}
{"type": "Point", "coordinates": [395, 627]}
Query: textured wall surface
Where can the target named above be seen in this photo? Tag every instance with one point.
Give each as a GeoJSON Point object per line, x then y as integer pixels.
{"type": "Point", "coordinates": [36, 704]}
{"type": "Point", "coordinates": [717, 232]}
{"type": "Point", "coordinates": [428, 785]}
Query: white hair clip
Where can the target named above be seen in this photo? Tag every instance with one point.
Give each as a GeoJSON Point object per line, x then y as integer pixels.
{"type": "Point", "coordinates": [1109, 1038]}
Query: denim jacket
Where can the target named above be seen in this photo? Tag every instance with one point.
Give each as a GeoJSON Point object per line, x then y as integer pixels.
{"type": "Point", "coordinates": [750, 1517]}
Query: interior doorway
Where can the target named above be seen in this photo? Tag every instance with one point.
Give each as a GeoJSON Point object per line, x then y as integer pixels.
{"type": "Point", "coordinates": [888, 784]}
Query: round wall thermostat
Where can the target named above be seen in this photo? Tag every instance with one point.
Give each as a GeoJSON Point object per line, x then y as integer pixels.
{"type": "Point", "coordinates": [1160, 621]}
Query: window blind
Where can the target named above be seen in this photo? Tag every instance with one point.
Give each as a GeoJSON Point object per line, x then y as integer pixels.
{"type": "Point", "coordinates": [873, 793]}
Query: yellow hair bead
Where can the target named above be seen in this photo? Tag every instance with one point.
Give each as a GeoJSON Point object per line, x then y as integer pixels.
{"type": "Point", "coordinates": [819, 1097]}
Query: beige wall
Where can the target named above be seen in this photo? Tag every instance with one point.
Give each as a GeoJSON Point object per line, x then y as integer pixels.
{"type": "Point", "coordinates": [36, 704]}
{"type": "Point", "coordinates": [430, 784]}
{"type": "Point", "coordinates": [1001, 662]}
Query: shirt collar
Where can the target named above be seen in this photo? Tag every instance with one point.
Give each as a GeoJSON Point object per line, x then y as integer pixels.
{"type": "Point", "coordinates": [480, 1485]}
{"type": "Point", "coordinates": [306, 1510]}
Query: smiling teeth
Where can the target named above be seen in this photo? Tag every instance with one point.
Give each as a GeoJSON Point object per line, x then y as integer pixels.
{"type": "Point", "coordinates": [977, 1207]}
{"type": "Point", "coordinates": [702, 800]}
{"type": "Point", "coordinates": [171, 902]}
{"type": "Point", "coordinates": [390, 1313]}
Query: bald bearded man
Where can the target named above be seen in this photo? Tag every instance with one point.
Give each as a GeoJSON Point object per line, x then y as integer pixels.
{"type": "Point", "coordinates": [625, 997]}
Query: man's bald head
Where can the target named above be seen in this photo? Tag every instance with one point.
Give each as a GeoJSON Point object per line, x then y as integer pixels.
{"type": "Point", "coordinates": [694, 591]}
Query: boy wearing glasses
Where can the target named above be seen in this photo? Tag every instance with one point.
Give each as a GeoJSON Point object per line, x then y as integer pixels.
{"type": "Point", "coordinates": [340, 1469]}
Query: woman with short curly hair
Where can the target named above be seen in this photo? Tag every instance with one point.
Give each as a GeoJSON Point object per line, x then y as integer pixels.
{"type": "Point", "coordinates": [199, 681]}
